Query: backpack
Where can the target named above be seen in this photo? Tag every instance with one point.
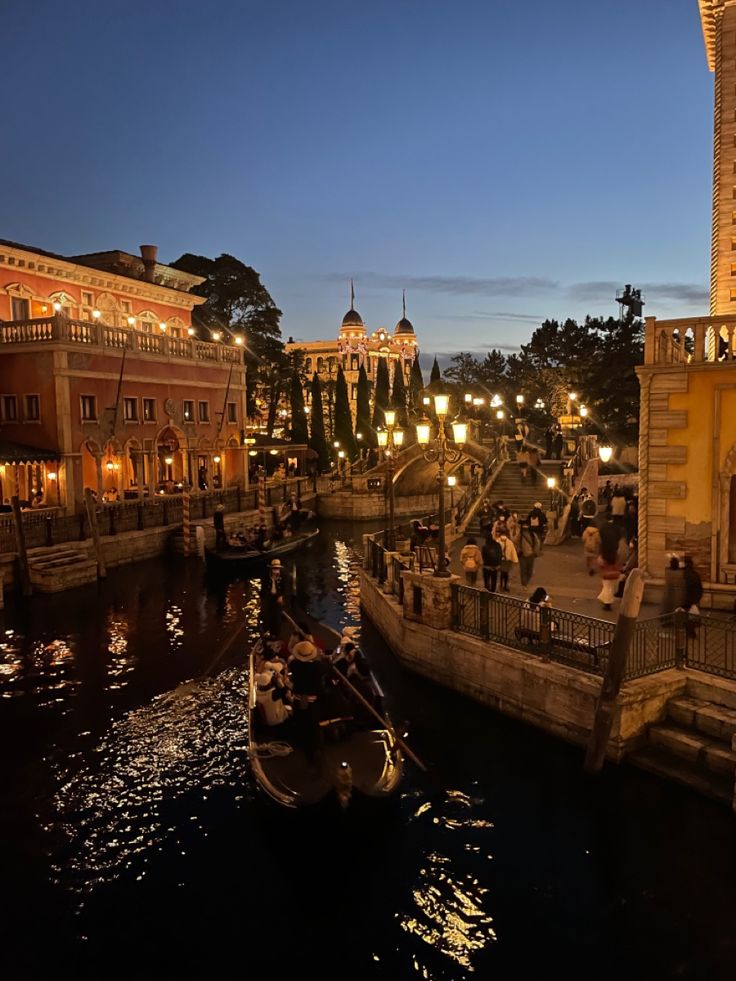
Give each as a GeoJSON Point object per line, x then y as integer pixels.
{"type": "Point", "coordinates": [492, 553]}
{"type": "Point", "coordinates": [470, 565]}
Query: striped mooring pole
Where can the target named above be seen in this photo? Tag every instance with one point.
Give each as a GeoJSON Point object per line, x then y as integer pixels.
{"type": "Point", "coordinates": [185, 515]}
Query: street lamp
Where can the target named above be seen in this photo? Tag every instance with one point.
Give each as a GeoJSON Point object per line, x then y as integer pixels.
{"type": "Point", "coordinates": [551, 484]}
{"type": "Point", "coordinates": [519, 401]}
{"type": "Point", "coordinates": [390, 439]}
{"type": "Point", "coordinates": [442, 453]}
{"type": "Point", "coordinates": [605, 453]}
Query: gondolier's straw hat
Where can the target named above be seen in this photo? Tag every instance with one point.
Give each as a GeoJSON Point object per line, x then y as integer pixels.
{"type": "Point", "coordinates": [304, 651]}
{"type": "Point", "coordinates": [275, 563]}
{"type": "Point", "coordinates": [538, 504]}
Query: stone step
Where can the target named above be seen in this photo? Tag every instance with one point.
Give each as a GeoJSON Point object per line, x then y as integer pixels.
{"type": "Point", "coordinates": [49, 551]}
{"type": "Point", "coordinates": [663, 764]}
{"type": "Point", "coordinates": [716, 721]}
{"type": "Point", "coordinates": [719, 692]}
{"type": "Point", "coordinates": [701, 751]}
{"type": "Point", "coordinates": [64, 563]}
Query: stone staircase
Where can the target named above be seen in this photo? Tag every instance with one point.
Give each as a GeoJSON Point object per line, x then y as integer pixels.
{"type": "Point", "coordinates": [694, 744]}
{"type": "Point", "coordinates": [58, 567]}
{"type": "Point", "coordinates": [518, 496]}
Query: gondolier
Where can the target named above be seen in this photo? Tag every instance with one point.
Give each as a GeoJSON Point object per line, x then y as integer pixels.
{"type": "Point", "coordinates": [272, 597]}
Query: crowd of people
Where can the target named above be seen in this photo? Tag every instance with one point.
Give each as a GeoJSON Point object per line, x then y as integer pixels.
{"type": "Point", "coordinates": [287, 520]}
{"type": "Point", "coordinates": [297, 688]}
{"type": "Point", "coordinates": [507, 542]}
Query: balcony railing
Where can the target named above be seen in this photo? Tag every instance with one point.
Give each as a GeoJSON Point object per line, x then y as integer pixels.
{"type": "Point", "coordinates": [697, 340]}
{"type": "Point", "coordinates": [66, 331]}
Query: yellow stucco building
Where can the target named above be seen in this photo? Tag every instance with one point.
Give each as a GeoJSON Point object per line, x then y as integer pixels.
{"type": "Point", "coordinates": [687, 451]}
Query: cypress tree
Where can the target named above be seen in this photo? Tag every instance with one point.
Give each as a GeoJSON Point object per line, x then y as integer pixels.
{"type": "Point", "coordinates": [398, 397]}
{"type": "Point", "coordinates": [318, 441]}
{"type": "Point", "coordinates": [363, 412]}
{"type": "Point", "coordinates": [435, 377]}
{"type": "Point", "coordinates": [380, 403]}
{"type": "Point", "coordinates": [343, 419]}
{"type": "Point", "coordinates": [416, 387]}
{"type": "Point", "coordinates": [298, 415]}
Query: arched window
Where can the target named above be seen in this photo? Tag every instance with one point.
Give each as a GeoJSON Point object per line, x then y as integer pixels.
{"type": "Point", "coordinates": [66, 302]}
{"type": "Point", "coordinates": [320, 365]}
{"type": "Point", "coordinates": [308, 365]}
{"type": "Point", "coordinates": [109, 309]}
{"type": "Point", "coordinates": [148, 322]}
{"type": "Point", "coordinates": [176, 327]}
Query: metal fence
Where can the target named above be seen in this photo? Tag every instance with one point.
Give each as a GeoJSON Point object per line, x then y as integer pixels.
{"type": "Point", "coordinates": [49, 526]}
{"type": "Point", "coordinates": [554, 635]}
{"type": "Point", "coordinates": [656, 646]}
{"type": "Point", "coordinates": [710, 645]}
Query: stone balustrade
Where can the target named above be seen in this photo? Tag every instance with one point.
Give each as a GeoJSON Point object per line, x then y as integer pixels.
{"type": "Point", "coordinates": [697, 340]}
{"type": "Point", "coordinates": [63, 330]}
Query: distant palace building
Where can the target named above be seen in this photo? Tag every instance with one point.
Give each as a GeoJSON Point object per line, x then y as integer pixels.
{"type": "Point", "coordinates": [687, 453]}
{"type": "Point", "coordinates": [103, 383]}
{"type": "Point", "coordinates": [354, 348]}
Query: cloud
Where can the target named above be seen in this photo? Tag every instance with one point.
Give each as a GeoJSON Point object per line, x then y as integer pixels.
{"type": "Point", "coordinates": [454, 285]}
{"type": "Point", "coordinates": [527, 318]}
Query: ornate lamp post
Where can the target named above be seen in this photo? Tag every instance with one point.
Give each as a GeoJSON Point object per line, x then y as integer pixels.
{"type": "Point", "coordinates": [451, 481]}
{"type": "Point", "coordinates": [442, 453]}
{"type": "Point", "coordinates": [390, 439]}
{"type": "Point", "coordinates": [551, 484]}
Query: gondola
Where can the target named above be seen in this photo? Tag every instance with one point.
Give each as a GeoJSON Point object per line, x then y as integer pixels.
{"type": "Point", "coordinates": [232, 558]}
{"type": "Point", "coordinates": [365, 763]}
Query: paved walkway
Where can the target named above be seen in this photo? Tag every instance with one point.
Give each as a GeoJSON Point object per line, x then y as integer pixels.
{"type": "Point", "coordinates": [561, 571]}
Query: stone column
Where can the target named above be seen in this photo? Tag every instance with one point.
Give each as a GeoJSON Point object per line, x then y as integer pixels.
{"type": "Point", "coordinates": [436, 599]}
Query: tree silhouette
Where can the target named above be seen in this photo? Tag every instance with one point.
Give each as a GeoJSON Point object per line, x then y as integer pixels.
{"type": "Point", "coordinates": [299, 432]}
{"type": "Point", "coordinates": [363, 411]}
{"type": "Point", "coordinates": [380, 403]}
{"type": "Point", "coordinates": [416, 387]}
{"type": "Point", "coordinates": [398, 397]}
{"type": "Point", "coordinates": [343, 419]}
{"type": "Point", "coordinates": [317, 440]}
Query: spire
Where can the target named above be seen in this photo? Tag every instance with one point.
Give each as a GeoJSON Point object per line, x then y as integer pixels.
{"type": "Point", "coordinates": [352, 296]}
{"type": "Point", "coordinates": [404, 304]}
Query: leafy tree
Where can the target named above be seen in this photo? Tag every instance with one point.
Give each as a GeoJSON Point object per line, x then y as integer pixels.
{"type": "Point", "coordinates": [343, 419]}
{"type": "Point", "coordinates": [299, 432]}
{"type": "Point", "coordinates": [317, 441]}
{"type": "Point", "coordinates": [464, 370]}
{"type": "Point", "coordinates": [380, 403]}
{"type": "Point", "coordinates": [363, 410]}
{"type": "Point", "coordinates": [237, 302]}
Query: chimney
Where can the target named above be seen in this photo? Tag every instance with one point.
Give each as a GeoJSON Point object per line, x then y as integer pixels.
{"type": "Point", "coordinates": [148, 254]}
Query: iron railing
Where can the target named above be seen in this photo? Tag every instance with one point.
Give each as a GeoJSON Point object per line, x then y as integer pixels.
{"type": "Point", "coordinates": [555, 635]}
{"type": "Point", "coordinates": [656, 646]}
{"type": "Point", "coordinates": [49, 526]}
{"type": "Point", "coordinates": [710, 644]}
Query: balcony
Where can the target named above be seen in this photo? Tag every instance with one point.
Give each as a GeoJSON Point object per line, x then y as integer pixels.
{"type": "Point", "coordinates": [82, 333]}
{"type": "Point", "coordinates": [690, 340]}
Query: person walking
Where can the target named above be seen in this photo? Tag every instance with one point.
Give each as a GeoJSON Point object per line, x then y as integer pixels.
{"type": "Point", "coordinates": [693, 594]}
{"type": "Point", "coordinates": [591, 547]}
{"type": "Point", "coordinates": [588, 511]}
{"type": "Point", "coordinates": [492, 556]}
{"type": "Point", "coordinates": [557, 445]}
{"type": "Point", "coordinates": [522, 458]}
{"type": "Point", "coordinates": [534, 462]}
{"type": "Point", "coordinates": [527, 553]}
{"type": "Point", "coordinates": [674, 587]}
{"type": "Point", "coordinates": [537, 521]}
{"type": "Point", "coordinates": [549, 437]}
{"type": "Point", "coordinates": [608, 565]}
{"type": "Point", "coordinates": [472, 561]}
{"type": "Point", "coordinates": [509, 559]}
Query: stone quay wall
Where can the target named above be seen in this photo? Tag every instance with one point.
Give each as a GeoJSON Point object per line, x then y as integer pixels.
{"type": "Point", "coordinates": [548, 695]}
{"type": "Point", "coordinates": [369, 507]}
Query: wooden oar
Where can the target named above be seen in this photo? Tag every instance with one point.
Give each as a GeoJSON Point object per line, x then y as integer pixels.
{"type": "Point", "coordinates": [384, 722]}
{"type": "Point", "coordinates": [187, 686]}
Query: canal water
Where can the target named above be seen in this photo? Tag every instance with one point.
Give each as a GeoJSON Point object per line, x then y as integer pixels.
{"type": "Point", "coordinates": [133, 841]}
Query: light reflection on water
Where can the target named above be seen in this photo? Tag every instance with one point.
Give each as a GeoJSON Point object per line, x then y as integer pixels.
{"type": "Point", "coordinates": [136, 789]}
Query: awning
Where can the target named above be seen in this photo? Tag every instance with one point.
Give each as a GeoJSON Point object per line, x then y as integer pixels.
{"type": "Point", "coordinates": [20, 453]}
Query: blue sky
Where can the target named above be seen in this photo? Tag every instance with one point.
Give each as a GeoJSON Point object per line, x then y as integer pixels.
{"type": "Point", "coordinates": [502, 161]}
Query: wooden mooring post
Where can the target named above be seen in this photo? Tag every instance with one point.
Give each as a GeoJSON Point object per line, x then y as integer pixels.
{"type": "Point", "coordinates": [185, 516]}
{"type": "Point", "coordinates": [615, 670]}
{"type": "Point", "coordinates": [92, 518]}
{"type": "Point", "coordinates": [20, 540]}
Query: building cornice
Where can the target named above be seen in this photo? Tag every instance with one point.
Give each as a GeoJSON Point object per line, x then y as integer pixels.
{"type": "Point", "coordinates": [709, 13]}
{"type": "Point", "coordinates": [62, 270]}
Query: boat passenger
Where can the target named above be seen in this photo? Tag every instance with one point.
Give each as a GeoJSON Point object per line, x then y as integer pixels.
{"type": "Point", "coordinates": [299, 633]}
{"type": "Point", "coordinates": [272, 697]}
{"type": "Point", "coordinates": [307, 677]}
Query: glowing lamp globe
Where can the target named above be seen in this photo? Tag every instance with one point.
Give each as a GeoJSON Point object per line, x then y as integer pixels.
{"type": "Point", "coordinates": [551, 483]}
{"type": "Point", "coordinates": [390, 417]}
{"type": "Point", "coordinates": [382, 437]}
{"type": "Point", "coordinates": [423, 432]}
{"type": "Point", "coordinates": [460, 432]}
{"type": "Point", "coordinates": [441, 405]}
{"type": "Point", "coordinates": [605, 453]}
{"type": "Point", "coordinates": [398, 437]}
